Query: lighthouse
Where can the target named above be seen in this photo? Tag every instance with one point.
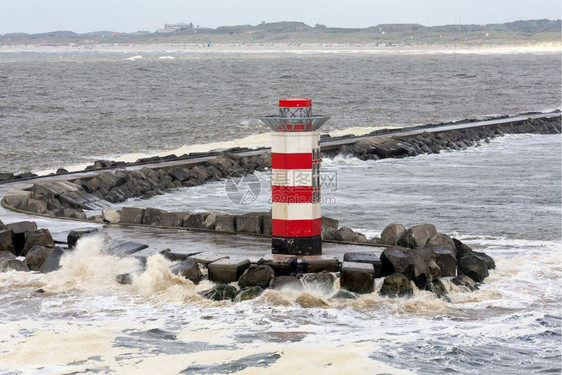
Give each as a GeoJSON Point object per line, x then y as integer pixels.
{"type": "Point", "coordinates": [295, 178]}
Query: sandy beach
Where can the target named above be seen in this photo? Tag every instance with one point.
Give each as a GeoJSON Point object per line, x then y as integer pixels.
{"type": "Point", "coordinates": [297, 48]}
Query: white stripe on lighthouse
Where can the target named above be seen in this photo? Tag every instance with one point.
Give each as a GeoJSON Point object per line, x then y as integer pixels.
{"type": "Point", "coordinates": [295, 211]}
{"type": "Point", "coordinates": [294, 143]}
{"type": "Point", "coordinates": [291, 177]}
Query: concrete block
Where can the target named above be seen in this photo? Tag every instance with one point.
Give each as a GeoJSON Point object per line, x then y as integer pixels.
{"type": "Point", "coordinates": [365, 258]}
{"type": "Point", "coordinates": [131, 215]}
{"type": "Point", "coordinates": [18, 233]}
{"type": "Point", "coordinates": [357, 277]}
{"type": "Point", "coordinates": [267, 226]}
{"type": "Point", "coordinates": [319, 263]}
{"type": "Point", "coordinates": [196, 220]}
{"type": "Point", "coordinates": [123, 248]}
{"type": "Point", "coordinates": [74, 235]}
{"type": "Point", "coordinates": [207, 257]}
{"type": "Point", "coordinates": [283, 265]}
{"type": "Point", "coordinates": [53, 261]}
{"type": "Point", "coordinates": [225, 223]}
{"type": "Point", "coordinates": [250, 223]}
{"type": "Point", "coordinates": [227, 270]}
{"type": "Point", "coordinates": [17, 198]}
{"type": "Point", "coordinates": [6, 241]}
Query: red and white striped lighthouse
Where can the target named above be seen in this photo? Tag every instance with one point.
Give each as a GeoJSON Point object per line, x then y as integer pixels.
{"type": "Point", "coordinates": [295, 178]}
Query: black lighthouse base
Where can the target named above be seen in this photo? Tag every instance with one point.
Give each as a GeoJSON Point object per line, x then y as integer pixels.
{"type": "Point", "coordinates": [297, 245]}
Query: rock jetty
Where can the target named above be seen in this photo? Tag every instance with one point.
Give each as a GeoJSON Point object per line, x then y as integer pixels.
{"type": "Point", "coordinates": [431, 261]}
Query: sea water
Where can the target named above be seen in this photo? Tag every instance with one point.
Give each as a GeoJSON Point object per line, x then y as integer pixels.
{"type": "Point", "coordinates": [502, 198]}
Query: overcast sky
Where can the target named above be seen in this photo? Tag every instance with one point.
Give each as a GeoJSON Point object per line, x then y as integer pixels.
{"type": "Point", "coordinates": [34, 16]}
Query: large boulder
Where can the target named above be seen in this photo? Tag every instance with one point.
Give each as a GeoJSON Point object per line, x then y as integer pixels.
{"type": "Point", "coordinates": [286, 283]}
{"type": "Point", "coordinates": [53, 261]}
{"type": "Point", "coordinates": [37, 256]}
{"type": "Point", "coordinates": [320, 281]}
{"type": "Point", "coordinates": [394, 261]}
{"type": "Point", "coordinates": [490, 263]}
{"type": "Point", "coordinates": [189, 269]}
{"type": "Point", "coordinates": [248, 293]}
{"type": "Point", "coordinates": [396, 285]}
{"type": "Point", "coordinates": [446, 261]}
{"type": "Point", "coordinates": [329, 227]}
{"type": "Point", "coordinates": [417, 236]}
{"type": "Point", "coordinates": [257, 275]}
{"type": "Point", "coordinates": [442, 242]}
{"type": "Point", "coordinates": [2, 226]}
{"type": "Point", "coordinates": [74, 235]}
{"type": "Point", "coordinates": [461, 248]}
{"type": "Point", "coordinates": [153, 216]}
{"type": "Point", "coordinates": [357, 277]}
{"type": "Point", "coordinates": [6, 241]}
{"type": "Point", "coordinates": [473, 266]}
{"type": "Point", "coordinates": [6, 255]}
{"type": "Point", "coordinates": [110, 216]}
{"type": "Point", "coordinates": [392, 233]}
{"type": "Point", "coordinates": [421, 258]}
{"type": "Point", "coordinates": [221, 292]}
{"type": "Point", "coordinates": [19, 230]}
{"type": "Point", "coordinates": [347, 234]}
{"type": "Point", "coordinates": [464, 282]}
{"type": "Point", "coordinates": [13, 265]}
{"type": "Point", "coordinates": [41, 237]}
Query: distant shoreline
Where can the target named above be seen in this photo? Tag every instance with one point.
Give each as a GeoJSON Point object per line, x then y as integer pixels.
{"type": "Point", "coordinates": [303, 48]}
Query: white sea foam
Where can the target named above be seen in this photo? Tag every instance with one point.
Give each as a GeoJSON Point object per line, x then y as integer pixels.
{"type": "Point", "coordinates": [133, 58]}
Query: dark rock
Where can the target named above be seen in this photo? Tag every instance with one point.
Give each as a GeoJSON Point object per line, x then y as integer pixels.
{"type": "Point", "coordinates": [13, 265]}
{"type": "Point", "coordinates": [18, 233]}
{"type": "Point", "coordinates": [267, 227]}
{"type": "Point", "coordinates": [250, 223]}
{"type": "Point", "coordinates": [257, 275]}
{"type": "Point", "coordinates": [490, 263]}
{"type": "Point", "coordinates": [35, 206]}
{"type": "Point", "coordinates": [4, 176]}
{"type": "Point", "coordinates": [417, 236]}
{"type": "Point", "coordinates": [76, 234]}
{"type": "Point", "coordinates": [329, 227]}
{"type": "Point", "coordinates": [6, 255]}
{"type": "Point", "coordinates": [131, 215]}
{"type": "Point", "coordinates": [442, 241]}
{"type": "Point", "coordinates": [2, 226]}
{"type": "Point", "coordinates": [473, 266]}
{"type": "Point", "coordinates": [124, 279]}
{"type": "Point", "coordinates": [357, 277]}
{"type": "Point", "coordinates": [6, 241]}
{"type": "Point", "coordinates": [446, 261]}
{"type": "Point", "coordinates": [36, 256]}
{"type": "Point", "coordinates": [396, 285]}
{"type": "Point", "coordinates": [61, 171]}
{"type": "Point", "coordinates": [396, 261]}
{"type": "Point", "coordinates": [221, 292]}
{"type": "Point", "coordinates": [465, 282]}
{"type": "Point", "coordinates": [392, 233]}
{"type": "Point", "coordinates": [227, 270]}
{"type": "Point", "coordinates": [422, 258]}
{"type": "Point", "coordinates": [188, 269]}
{"type": "Point", "coordinates": [248, 293]}
{"type": "Point", "coordinates": [319, 263]}
{"type": "Point", "coordinates": [365, 258]}
{"type": "Point", "coordinates": [283, 265]}
{"type": "Point", "coordinates": [347, 234]}
{"type": "Point", "coordinates": [53, 261]}
{"type": "Point", "coordinates": [286, 283]}
{"type": "Point", "coordinates": [41, 237]}
{"type": "Point", "coordinates": [344, 294]}
{"type": "Point", "coordinates": [462, 249]}
{"type": "Point", "coordinates": [438, 288]}
{"type": "Point", "coordinates": [173, 219]}
{"type": "Point", "coordinates": [321, 281]}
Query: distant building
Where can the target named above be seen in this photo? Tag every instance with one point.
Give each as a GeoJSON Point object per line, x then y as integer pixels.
{"type": "Point", "coordinates": [171, 27]}
{"type": "Point", "coordinates": [320, 27]}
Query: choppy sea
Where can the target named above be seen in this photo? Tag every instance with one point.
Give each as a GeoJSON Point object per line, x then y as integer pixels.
{"type": "Point", "coordinates": [504, 198]}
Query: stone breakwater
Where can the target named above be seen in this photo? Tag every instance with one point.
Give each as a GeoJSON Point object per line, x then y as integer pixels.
{"type": "Point", "coordinates": [73, 197]}
{"type": "Point", "coordinates": [417, 258]}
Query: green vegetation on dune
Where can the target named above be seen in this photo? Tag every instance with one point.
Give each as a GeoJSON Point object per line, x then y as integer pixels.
{"type": "Point", "coordinates": [513, 33]}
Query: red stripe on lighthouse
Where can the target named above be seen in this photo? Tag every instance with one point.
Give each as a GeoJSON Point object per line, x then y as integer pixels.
{"type": "Point", "coordinates": [291, 194]}
{"type": "Point", "coordinates": [296, 228]}
{"type": "Point", "coordinates": [291, 161]}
